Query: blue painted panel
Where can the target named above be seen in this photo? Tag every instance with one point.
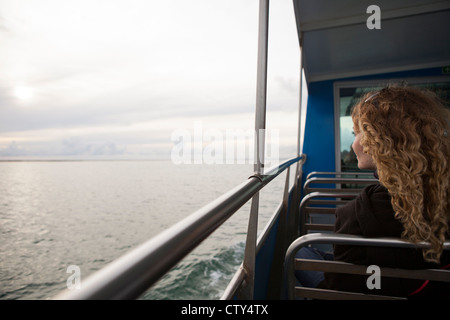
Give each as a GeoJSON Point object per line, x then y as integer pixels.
{"type": "Point", "coordinates": [263, 262]}
{"type": "Point", "coordinates": [319, 131]}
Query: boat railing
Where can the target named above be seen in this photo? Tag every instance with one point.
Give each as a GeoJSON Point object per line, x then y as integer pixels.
{"type": "Point", "coordinates": [286, 216]}
{"type": "Point", "coordinates": [292, 263]}
{"type": "Point", "coordinates": [132, 274]}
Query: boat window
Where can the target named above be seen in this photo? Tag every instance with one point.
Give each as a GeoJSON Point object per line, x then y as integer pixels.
{"type": "Point", "coordinates": [348, 96]}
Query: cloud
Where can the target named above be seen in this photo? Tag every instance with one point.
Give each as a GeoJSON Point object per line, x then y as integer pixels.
{"type": "Point", "coordinates": [75, 146]}
{"type": "Point", "coordinates": [13, 149]}
{"type": "Point", "coordinates": [117, 77]}
{"type": "Point", "coordinates": [159, 62]}
{"type": "Point", "coordinates": [66, 148]}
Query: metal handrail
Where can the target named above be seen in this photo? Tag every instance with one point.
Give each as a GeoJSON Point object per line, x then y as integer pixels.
{"type": "Point", "coordinates": [338, 174]}
{"type": "Point", "coordinates": [133, 273]}
{"type": "Point", "coordinates": [307, 187]}
{"type": "Point", "coordinates": [341, 239]}
{"type": "Point", "coordinates": [339, 180]}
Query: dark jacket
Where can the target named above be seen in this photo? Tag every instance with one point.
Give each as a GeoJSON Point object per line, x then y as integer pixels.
{"type": "Point", "coordinates": [371, 215]}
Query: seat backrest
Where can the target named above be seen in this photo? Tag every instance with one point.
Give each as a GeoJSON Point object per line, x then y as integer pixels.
{"type": "Point", "coordinates": [293, 264]}
{"type": "Point", "coordinates": [317, 210]}
{"type": "Point", "coordinates": [323, 193]}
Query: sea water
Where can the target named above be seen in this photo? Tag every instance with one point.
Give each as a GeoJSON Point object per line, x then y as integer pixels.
{"type": "Point", "coordinates": [57, 214]}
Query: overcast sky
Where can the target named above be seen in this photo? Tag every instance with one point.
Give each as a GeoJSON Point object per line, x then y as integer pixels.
{"type": "Point", "coordinates": [115, 78]}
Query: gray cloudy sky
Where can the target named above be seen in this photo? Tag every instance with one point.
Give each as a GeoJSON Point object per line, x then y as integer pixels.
{"type": "Point", "coordinates": [115, 78]}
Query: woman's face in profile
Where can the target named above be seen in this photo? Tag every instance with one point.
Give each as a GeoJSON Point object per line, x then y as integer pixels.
{"type": "Point", "coordinates": [365, 161]}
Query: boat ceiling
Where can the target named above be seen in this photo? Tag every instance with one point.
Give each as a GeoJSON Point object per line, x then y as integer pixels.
{"type": "Point", "coordinates": [336, 42]}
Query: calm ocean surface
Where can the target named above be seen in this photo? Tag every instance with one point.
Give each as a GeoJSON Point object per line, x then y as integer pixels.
{"type": "Point", "coordinates": [88, 213]}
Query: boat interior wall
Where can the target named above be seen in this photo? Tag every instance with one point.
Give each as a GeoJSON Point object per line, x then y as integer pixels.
{"type": "Point", "coordinates": [338, 43]}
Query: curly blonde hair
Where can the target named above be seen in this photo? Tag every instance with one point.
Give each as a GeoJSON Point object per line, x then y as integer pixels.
{"type": "Point", "coordinates": [406, 131]}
